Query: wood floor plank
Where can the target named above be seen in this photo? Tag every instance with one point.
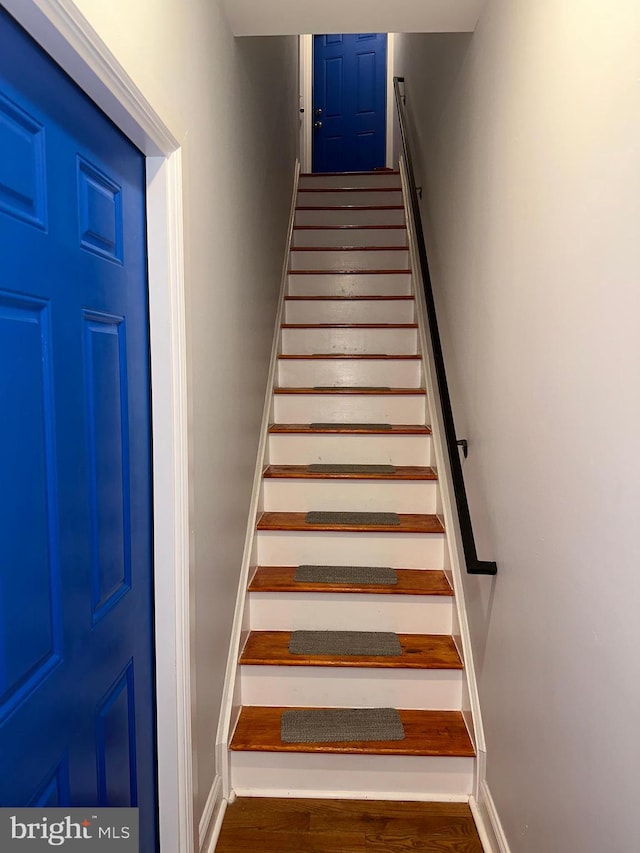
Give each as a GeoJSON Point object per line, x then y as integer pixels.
{"type": "Point", "coordinates": [409, 523]}
{"type": "Point", "coordinates": [426, 733]}
{"type": "Point", "coordinates": [410, 582]}
{"type": "Point", "coordinates": [289, 825]}
{"type": "Point", "coordinates": [304, 429]}
{"type": "Point", "coordinates": [419, 651]}
{"type": "Point", "coordinates": [409, 843]}
{"type": "Point", "coordinates": [244, 840]}
{"type": "Point", "coordinates": [302, 472]}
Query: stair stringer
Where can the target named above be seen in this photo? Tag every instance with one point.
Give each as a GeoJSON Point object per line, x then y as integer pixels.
{"type": "Point", "coordinates": [454, 552]}
{"type": "Point", "coordinates": [230, 705]}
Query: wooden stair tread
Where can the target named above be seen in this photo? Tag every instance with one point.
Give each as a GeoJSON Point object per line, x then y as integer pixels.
{"type": "Point", "coordinates": [358, 298]}
{"type": "Point", "coordinates": [362, 356]}
{"type": "Point", "coordinates": [349, 325]}
{"type": "Point", "coordinates": [351, 272]}
{"type": "Point", "coordinates": [349, 249]}
{"type": "Point", "coordinates": [378, 173]}
{"type": "Point", "coordinates": [409, 523]}
{"type": "Point", "coordinates": [410, 582]}
{"type": "Point", "coordinates": [301, 472]}
{"type": "Point", "coordinates": [341, 429]}
{"type": "Point", "coordinates": [420, 651]}
{"type": "Point", "coordinates": [349, 189]}
{"type": "Point", "coordinates": [348, 228]}
{"type": "Point", "coordinates": [342, 389]}
{"type": "Point", "coordinates": [427, 733]}
{"type": "Point", "coordinates": [355, 207]}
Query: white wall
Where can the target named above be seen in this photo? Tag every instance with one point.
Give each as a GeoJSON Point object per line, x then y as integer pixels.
{"type": "Point", "coordinates": [272, 17]}
{"type": "Point", "coordinates": [529, 139]}
{"type": "Point", "coordinates": [232, 103]}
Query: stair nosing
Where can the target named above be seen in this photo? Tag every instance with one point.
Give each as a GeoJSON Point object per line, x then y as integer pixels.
{"type": "Point", "coordinates": [378, 173]}
{"type": "Point", "coordinates": [421, 473]}
{"type": "Point", "coordinates": [354, 207]}
{"type": "Point", "coordinates": [351, 355]}
{"type": "Point", "coordinates": [348, 325]}
{"type": "Point", "coordinates": [349, 249]}
{"type": "Point", "coordinates": [401, 297]}
{"type": "Point", "coordinates": [306, 429]}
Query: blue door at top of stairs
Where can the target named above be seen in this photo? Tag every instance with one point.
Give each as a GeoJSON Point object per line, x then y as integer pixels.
{"type": "Point", "coordinates": [77, 706]}
{"type": "Point", "coordinates": [349, 102]}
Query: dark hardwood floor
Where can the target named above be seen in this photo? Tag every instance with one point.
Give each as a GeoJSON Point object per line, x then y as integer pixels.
{"type": "Point", "coordinates": [346, 826]}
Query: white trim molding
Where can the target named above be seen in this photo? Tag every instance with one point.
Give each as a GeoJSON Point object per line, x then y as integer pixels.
{"type": "Point", "coordinates": [305, 82]}
{"type": "Point", "coordinates": [61, 29]}
{"type": "Point", "coordinates": [230, 703]}
{"type": "Point", "coordinates": [391, 53]}
{"type": "Point", "coordinates": [487, 821]}
{"type": "Point", "coordinates": [212, 815]}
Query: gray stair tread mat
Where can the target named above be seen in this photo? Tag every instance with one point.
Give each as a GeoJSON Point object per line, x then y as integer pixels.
{"type": "Point", "coordinates": [349, 426]}
{"type": "Point", "coordinates": [346, 574]}
{"type": "Point", "coordinates": [317, 468]}
{"type": "Point", "coordinates": [364, 518]}
{"type": "Point", "coordinates": [341, 725]}
{"type": "Point", "coordinates": [370, 643]}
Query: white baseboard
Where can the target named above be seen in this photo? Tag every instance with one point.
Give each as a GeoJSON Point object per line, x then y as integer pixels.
{"type": "Point", "coordinates": [322, 794]}
{"type": "Point", "coordinates": [211, 819]}
{"type": "Point", "coordinates": [487, 821]}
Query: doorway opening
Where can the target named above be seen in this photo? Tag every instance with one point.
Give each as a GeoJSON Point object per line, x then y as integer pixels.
{"type": "Point", "coordinates": [346, 87]}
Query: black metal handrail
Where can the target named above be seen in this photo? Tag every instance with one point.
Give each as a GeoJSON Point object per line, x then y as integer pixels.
{"type": "Point", "coordinates": [474, 565]}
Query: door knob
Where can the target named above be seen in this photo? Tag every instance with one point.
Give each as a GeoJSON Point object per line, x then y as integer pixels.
{"type": "Point", "coordinates": [317, 125]}
{"type": "Point", "coordinates": [318, 111]}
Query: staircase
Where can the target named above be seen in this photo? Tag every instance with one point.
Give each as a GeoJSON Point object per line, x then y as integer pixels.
{"type": "Point", "coordinates": [350, 394]}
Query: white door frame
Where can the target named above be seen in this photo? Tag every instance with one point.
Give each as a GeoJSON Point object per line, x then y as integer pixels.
{"type": "Point", "coordinates": [305, 54]}
{"type": "Point", "coordinates": [59, 27]}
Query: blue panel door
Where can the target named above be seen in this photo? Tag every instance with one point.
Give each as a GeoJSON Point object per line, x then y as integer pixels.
{"type": "Point", "coordinates": [76, 630]}
{"type": "Point", "coordinates": [349, 102]}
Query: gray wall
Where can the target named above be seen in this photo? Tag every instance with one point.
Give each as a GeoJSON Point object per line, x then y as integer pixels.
{"type": "Point", "coordinates": [529, 133]}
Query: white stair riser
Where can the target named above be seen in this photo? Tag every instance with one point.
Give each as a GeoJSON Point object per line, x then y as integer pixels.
{"type": "Point", "coordinates": [350, 216]}
{"type": "Point", "coordinates": [350, 408]}
{"type": "Point", "coordinates": [350, 495]}
{"type": "Point", "coordinates": [382, 341]}
{"type": "Point", "coordinates": [337, 548]}
{"type": "Point", "coordinates": [364, 198]}
{"type": "Point", "coordinates": [350, 311]}
{"type": "Point", "coordinates": [347, 611]}
{"type": "Point", "coordinates": [379, 179]}
{"type": "Point", "coordinates": [350, 449]}
{"type": "Point", "coordinates": [307, 373]}
{"type": "Point", "coordinates": [350, 259]}
{"type": "Point", "coordinates": [354, 284]}
{"type": "Point", "coordinates": [279, 774]}
{"type": "Point", "coordinates": [348, 687]}
{"type": "Point", "coordinates": [350, 237]}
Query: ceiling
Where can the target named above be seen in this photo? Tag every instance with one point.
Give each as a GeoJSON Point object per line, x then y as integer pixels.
{"type": "Point", "coordinates": [287, 17]}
